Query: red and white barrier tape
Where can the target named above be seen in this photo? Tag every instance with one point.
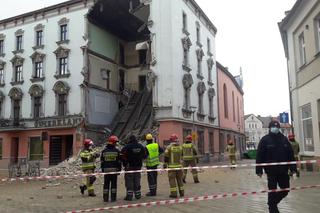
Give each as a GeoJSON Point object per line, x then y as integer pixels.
{"type": "Point", "coordinates": [159, 170]}
{"type": "Point", "coordinates": [192, 199]}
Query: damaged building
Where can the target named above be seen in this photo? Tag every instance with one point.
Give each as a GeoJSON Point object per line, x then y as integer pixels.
{"type": "Point", "coordinates": [88, 68]}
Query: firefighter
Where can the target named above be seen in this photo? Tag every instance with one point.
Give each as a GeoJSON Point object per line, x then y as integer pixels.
{"type": "Point", "coordinates": [153, 151]}
{"type": "Point", "coordinates": [231, 149]}
{"type": "Point", "coordinates": [110, 162]}
{"type": "Point", "coordinates": [132, 157]}
{"type": "Point", "coordinates": [296, 149]}
{"type": "Point", "coordinates": [189, 156]}
{"type": "Point", "coordinates": [88, 157]}
{"type": "Point", "coordinates": [172, 159]}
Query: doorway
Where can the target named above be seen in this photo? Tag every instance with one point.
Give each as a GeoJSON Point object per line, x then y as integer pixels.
{"type": "Point", "coordinates": [55, 150]}
{"type": "Point", "coordinates": [14, 152]}
{"type": "Point", "coordinates": [69, 146]}
{"type": "Point", "coordinates": [142, 82]}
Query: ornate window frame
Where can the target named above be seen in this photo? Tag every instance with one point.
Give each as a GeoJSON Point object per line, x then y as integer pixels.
{"type": "Point", "coordinates": [37, 57]}
{"type": "Point", "coordinates": [36, 91]}
{"type": "Point", "coordinates": [186, 44]}
{"type": "Point", "coordinates": [185, 23]}
{"type": "Point", "coordinates": [61, 88]}
{"type": "Point", "coordinates": [62, 22]}
{"type": "Point", "coordinates": [211, 95]}
{"type": "Point", "coordinates": [37, 28]}
{"type": "Point", "coordinates": [2, 67]}
{"type": "Point", "coordinates": [201, 89]}
{"type": "Point", "coordinates": [15, 94]}
{"type": "Point", "coordinates": [2, 38]}
{"type": "Point", "coordinates": [2, 97]}
{"type": "Point", "coordinates": [210, 63]}
{"type": "Point", "coordinates": [187, 82]}
{"type": "Point", "coordinates": [18, 33]}
{"type": "Point", "coordinates": [16, 61]}
{"type": "Point", "coordinates": [198, 34]}
{"type": "Point", "coordinates": [62, 52]}
{"type": "Point", "coordinates": [200, 55]}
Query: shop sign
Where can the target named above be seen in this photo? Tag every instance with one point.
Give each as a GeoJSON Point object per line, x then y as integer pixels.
{"type": "Point", "coordinates": [58, 122]}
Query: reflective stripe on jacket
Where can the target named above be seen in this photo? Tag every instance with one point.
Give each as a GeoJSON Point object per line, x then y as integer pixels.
{"type": "Point", "coordinates": [174, 154]}
{"type": "Point", "coordinates": [187, 150]}
{"type": "Point", "coordinates": [88, 159]}
{"type": "Point", "coordinates": [153, 157]}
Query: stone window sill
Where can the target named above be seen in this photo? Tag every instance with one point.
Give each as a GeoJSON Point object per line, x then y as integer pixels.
{"type": "Point", "coordinates": [186, 68]}
{"type": "Point", "coordinates": [38, 47]}
{"type": "Point", "coordinates": [2, 84]}
{"type": "Point", "coordinates": [37, 79]}
{"type": "Point", "coordinates": [211, 118]}
{"type": "Point", "coordinates": [210, 53]}
{"type": "Point", "coordinates": [2, 55]}
{"type": "Point", "coordinates": [210, 83]}
{"type": "Point", "coordinates": [18, 51]}
{"type": "Point", "coordinates": [58, 76]}
{"type": "Point", "coordinates": [199, 44]}
{"type": "Point", "coordinates": [185, 31]}
{"type": "Point", "coordinates": [16, 83]}
{"type": "Point", "coordinates": [63, 42]}
{"type": "Point", "coordinates": [186, 113]}
{"type": "Point", "coordinates": [201, 116]}
{"type": "Point", "coordinates": [200, 76]}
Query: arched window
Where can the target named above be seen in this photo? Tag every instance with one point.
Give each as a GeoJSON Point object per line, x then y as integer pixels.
{"type": "Point", "coordinates": [16, 96]}
{"type": "Point", "coordinates": [61, 90]}
{"type": "Point", "coordinates": [225, 101]}
{"type": "Point", "coordinates": [36, 93]}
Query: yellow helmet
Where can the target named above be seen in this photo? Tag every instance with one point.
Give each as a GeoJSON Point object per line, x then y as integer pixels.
{"type": "Point", "coordinates": [149, 137]}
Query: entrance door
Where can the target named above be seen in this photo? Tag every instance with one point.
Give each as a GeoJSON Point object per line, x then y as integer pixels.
{"type": "Point", "coordinates": [142, 82]}
{"type": "Point", "coordinates": [55, 150]}
{"type": "Point", "coordinates": [69, 146]}
{"type": "Point", "coordinates": [14, 150]}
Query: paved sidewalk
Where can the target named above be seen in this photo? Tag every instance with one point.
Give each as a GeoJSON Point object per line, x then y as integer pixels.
{"type": "Point", "coordinates": [64, 195]}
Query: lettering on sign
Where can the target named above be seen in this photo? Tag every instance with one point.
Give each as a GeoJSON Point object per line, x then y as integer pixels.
{"type": "Point", "coordinates": [58, 122]}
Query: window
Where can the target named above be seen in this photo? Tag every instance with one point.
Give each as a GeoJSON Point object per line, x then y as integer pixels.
{"type": "Point", "coordinates": [1, 148]}
{"type": "Point", "coordinates": [1, 76]}
{"type": "Point", "coordinates": [39, 38]}
{"type": "Point", "coordinates": [200, 103]}
{"type": "Point", "coordinates": [19, 42]}
{"type": "Point", "coordinates": [302, 49]}
{"type": "Point", "coordinates": [1, 47]}
{"type": "Point", "coordinates": [238, 110]}
{"type": "Point", "coordinates": [233, 108]}
{"type": "Point", "coordinates": [198, 33]}
{"type": "Point", "coordinates": [201, 142]}
{"type": "Point", "coordinates": [38, 69]}
{"type": "Point", "coordinates": [16, 112]}
{"type": "Point", "coordinates": [36, 107]}
{"type": "Point", "coordinates": [62, 104]}
{"type": "Point", "coordinates": [209, 45]}
{"type": "Point", "coordinates": [63, 66]}
{"type": "Point", "coordinates": [211, 106]}
{"type": "Point", "coordinates": [186, 57]}
{"type": "Point", "coordinates": [184, 22]}
{"type": "Point", "coordinates": [63, 32]}
{"type": "Point", "coordinates": [199, 65]}
{"type": "Point", "coordinates": [142, 57]}
{"type": "Point", "coordinates": [317, 31]}
{"type": "Point", "coordinates": [225, 100]}
{"type": "Point", "coordinates": [306, 117]}
{"type": "Point", "coordinates": [35, 148]}
{"type": "Point", "coordinates": [18, 74]}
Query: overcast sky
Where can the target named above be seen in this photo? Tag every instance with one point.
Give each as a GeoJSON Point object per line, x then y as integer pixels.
{"type": "Point", "coordinates": [247, 37]}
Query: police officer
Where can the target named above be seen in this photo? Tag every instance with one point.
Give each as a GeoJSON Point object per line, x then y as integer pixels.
{"type": "Point", "coordinates": [110, 162]}
{"type": "Point", "coordinates": [275, 147]}
{"type": "Point", "coordinates": [132, 156]}
{"type": "Point", "coordinates": [88, 157]}
{"type": "Point", "coordinates": [172, 159]}
{"type": "Point", "coordinates": [231, 149]}
{"type": "Point", "coordinates": [296, 149]}
{"type": "Point", "coordinates": [189, 154]}
{"type": "Point", "coordinates": [153, 150]}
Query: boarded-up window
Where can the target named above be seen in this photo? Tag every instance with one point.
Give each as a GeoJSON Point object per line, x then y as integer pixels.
{"type": "Point", "coordinates": [35, 148]}
{"type": "Point", "coordinates": [0, 148]}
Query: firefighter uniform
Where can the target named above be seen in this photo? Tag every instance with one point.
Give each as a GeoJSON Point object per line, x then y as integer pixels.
{"type": "Point", "coordinates": [189, 154]}
{"type": "Point", "coordinates": [231, 149]}
{"type": "Point", "coordinates": [110, 162]}
{"type": "Point", "coordinates": [132, 156]}
{"type": "Point", "coordinates": [173, 158]}
{"type": "Point", "coordinates": [88, 157]}
{"type": "Point", "coordinates": [153, 151]}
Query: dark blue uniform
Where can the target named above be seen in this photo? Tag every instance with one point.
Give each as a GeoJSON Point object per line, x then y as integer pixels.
{"type": "Point", "coordinates": [132, 157]}
{"type": "Point", "coordinates": [110, 162]}
{"type": "Point", "coordinates": [275, 148]}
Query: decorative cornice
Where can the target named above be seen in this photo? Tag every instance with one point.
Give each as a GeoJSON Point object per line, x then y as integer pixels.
{"type": "Point", "coordinates": [63, 21]}
{"type": "Point", "coordinates": [39, 27]}
{"type": "Point", "coordinates": [19, 32]}
{"type": "Point", "coordinates": [61, 87]}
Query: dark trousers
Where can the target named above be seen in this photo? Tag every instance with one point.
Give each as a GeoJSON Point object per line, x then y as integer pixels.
{"type": "Point", "coordinates": [283, 180]}
{"type": "Point", "coordinates": [152, 180]}
{"type": "Point", "coordinates": [110, 184]}
{"type": "Point", "coordinates": [132, 182]}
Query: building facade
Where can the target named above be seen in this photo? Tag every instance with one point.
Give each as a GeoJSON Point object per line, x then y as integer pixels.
{"type": "Point", "coordinates": [300, 31]}
{"type": "Point", "coordinates": [231, 111]}
{"type": "Point", "coordinates": [64, 67]}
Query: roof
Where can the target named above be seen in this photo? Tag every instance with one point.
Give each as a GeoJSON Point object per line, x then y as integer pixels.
{"type": "Point", "coordinates": [43, 10]}
{"type": "Point", "coordinates": [290, 13]}
{"type": "Point", "coordinates": [225, 70]}
{"type": "Point", "coordinates": [265, 121]}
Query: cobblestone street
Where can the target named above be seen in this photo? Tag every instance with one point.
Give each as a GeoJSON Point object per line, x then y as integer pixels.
{"type": "Point", "coordinates": [59, 196]}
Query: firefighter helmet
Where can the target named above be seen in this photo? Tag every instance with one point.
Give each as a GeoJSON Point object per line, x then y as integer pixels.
{"type": "Point", "coordinates": [149, 137]}
{"type": "Point", "coordinates": [189, 138]}
{"type": "Point", "coordinates": [87, 142]}
{"type": "Point", "coordinates": [174, 138]}
{"type": "Point", "coordinates": [113, 139]}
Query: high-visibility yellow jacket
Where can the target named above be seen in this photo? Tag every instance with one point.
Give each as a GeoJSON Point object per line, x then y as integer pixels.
{"type": "Point", "coordinates": [153, 155]}
{"type": "Point", "coordinates": [173, 155]}
{"type": "Point", "coordinates": [188, 151]}
{"type": "Point", "coordinates": [88, 157]}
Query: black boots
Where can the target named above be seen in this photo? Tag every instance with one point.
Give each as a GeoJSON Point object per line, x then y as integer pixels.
{"type": "Point", "coordinates": [151, 194]}
{"type": "Point", "coordinates": [82, 189]}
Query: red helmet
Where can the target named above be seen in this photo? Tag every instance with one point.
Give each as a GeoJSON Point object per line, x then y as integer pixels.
{"type": "Point", "coordinates": [174, 138]}
{"type": "Point", "coordinates": [189, 138]}
{"type": "Point", "coordinates": [291, 136]}
{"type": "Point", "coordinates": [87, 142]}
{"type": "Point", "coordinates": [113, 139]}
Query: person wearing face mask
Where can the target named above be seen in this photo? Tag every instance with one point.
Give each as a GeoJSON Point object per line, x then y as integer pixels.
{"type": "Point", "coordinates": [275, 147]}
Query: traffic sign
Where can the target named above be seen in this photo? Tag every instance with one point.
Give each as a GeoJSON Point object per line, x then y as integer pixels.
{"type": "Point", "coordinates": [284, 117]}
